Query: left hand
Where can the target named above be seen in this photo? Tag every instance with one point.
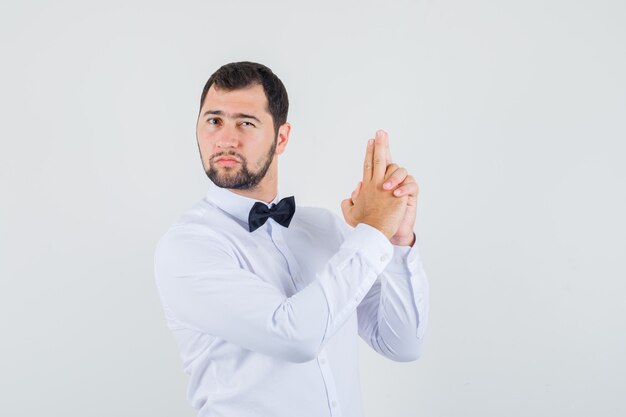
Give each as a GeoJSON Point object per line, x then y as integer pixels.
{"type": "Point", "coordinates": [399, 180]}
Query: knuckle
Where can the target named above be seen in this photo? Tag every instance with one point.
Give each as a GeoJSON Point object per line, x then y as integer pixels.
{"type": "Point", "coordinates": [400, 174]}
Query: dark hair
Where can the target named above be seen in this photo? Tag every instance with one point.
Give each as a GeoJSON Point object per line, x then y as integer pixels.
{"type": "Point", "coordinates": [238, 75]}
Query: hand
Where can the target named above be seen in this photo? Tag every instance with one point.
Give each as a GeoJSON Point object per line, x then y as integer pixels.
{"type": "Point", "coordinates": [374, 205]}
{"type": "Point", "coordinates": [402, 184]}
{"type": "Point", "coordinates": [399, 180]}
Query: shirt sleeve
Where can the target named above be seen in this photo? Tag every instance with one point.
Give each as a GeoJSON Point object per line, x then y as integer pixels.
{"type": "Point", "coordinates": [203, 287]}
{"type": "Point", "coordinates": [393, 316]}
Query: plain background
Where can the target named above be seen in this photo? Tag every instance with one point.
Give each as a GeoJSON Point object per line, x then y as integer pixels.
{"type": "Point", "coordinates": [510, 114]}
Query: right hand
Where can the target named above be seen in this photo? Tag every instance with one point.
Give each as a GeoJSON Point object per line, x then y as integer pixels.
{"type": "Point", "coordinates": [374, 205]}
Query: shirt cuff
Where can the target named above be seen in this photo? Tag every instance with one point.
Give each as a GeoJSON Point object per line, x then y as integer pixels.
{"type": "Point", "coordinates": [377, 249]}
{"type": "Point", "coordinates": [404, 258]}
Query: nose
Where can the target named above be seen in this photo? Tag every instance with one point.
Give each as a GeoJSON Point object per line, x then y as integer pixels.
{"type": "Point", "coordinates": [227, 137]}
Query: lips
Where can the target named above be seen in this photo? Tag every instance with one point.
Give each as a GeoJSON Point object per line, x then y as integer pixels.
{"type": "Point", "coordinates": [226, 159]}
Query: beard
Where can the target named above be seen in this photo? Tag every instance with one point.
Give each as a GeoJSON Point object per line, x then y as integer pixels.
{"type": "Point", "coordinates": [240, 177]}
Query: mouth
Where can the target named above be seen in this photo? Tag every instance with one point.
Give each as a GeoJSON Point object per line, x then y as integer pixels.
{"type": "Point", "coordinates": [226, 161]}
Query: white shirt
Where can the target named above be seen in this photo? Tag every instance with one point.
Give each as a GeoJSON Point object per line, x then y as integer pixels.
{"type": "Point", "coordinates": [267, 322]}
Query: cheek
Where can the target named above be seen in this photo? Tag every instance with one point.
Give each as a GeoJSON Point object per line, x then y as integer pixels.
{"type": "Point", "coordinates": [205, 141]}
{"type": "Point", "coordinates": [206, 148]}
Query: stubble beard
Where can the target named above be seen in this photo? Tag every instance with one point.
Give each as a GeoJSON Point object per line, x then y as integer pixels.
{"type": "Point", "coordinates": [239, 177]}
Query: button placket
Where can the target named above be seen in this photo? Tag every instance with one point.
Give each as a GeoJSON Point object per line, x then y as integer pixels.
{"type": "Point", "coordinates": [329, 382]}
{"type": "Point", "coordinates": [294, 267]}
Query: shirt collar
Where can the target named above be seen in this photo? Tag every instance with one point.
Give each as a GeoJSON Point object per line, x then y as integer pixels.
{"type": "Point", "coordinates": [234, 204]}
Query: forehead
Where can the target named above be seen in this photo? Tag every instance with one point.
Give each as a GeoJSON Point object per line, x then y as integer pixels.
{"type": "Point", "coordinates": [244, 100]}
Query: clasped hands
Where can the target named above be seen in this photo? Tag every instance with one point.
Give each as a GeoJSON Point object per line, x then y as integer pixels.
{"type": "Point", "coordinates": [386, 197]}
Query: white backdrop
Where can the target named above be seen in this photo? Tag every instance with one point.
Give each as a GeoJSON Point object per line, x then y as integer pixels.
{"type": "Point", "coordinates": [510, 114]}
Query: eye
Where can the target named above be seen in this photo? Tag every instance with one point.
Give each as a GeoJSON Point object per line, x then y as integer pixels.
{"type": "Point", "coordinates": [248, 124]}
{"type": "Point", "coordinates": [213, 121]}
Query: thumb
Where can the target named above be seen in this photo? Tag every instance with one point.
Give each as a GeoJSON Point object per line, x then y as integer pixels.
{"type": "Point", "coordinates": [345, 207]}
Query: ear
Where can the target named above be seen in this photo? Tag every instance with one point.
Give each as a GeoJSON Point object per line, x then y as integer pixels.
{"type": "Point", "coordinates": [283, 137]}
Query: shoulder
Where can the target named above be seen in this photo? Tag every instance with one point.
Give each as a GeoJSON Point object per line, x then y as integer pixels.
{"type": "Point", "coordinates": [201, 224]}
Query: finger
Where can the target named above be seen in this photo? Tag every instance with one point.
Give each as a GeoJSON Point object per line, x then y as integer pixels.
{"type": "Point", "coordinates": [396, 177]}
{"type": "Point", "coordinates": [409, 179]}
{"type": "Point", "coordinates": [355, 193]}
{"type": "Point", "coordinates": [345, 207]}
{"type": "Point", "coordinates": [389, 159]}
{"type": "Point", "coordinates": [379, 157]}
{"type": "Point", "coordinates": [367, 164]}
{"type": "Point", "coordinates": [390, 169]}
{"type": "Point", "coordinates": [411, 189]}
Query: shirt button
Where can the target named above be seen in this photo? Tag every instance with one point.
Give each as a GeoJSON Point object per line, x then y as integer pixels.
{"type": "Point", "coordinates": [279, 241]}
{"type": "Point", "coordinates": [322, 361]}
{"type": "Point", "coordinates": [384, 258]}
{"type": "Point", "coordinates": [333, 403]}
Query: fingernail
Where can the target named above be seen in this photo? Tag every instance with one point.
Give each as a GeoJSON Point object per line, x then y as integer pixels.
{"type": "Point", "coordinates": [397, 192]}
{"type": "Point", "coordinates": [387, 184]}
{"type": "Point", "coordinates": [369, 142]}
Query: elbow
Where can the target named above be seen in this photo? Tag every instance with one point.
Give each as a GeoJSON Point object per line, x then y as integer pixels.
{"type": "Point", "coordinates": [300, 347]}
{"type": "Point", "coordinates": [301, 353]}
{"type": "Point", "coordinates": [409, 347]}
{"type": "Point", "coordinates": [407, 355]}
{"type": "Point", "coordinates": [294, 346]}
{"type": "Point", "coordinates": [407, 351]}
{"type": "Point", "coordinates": [295, 340]}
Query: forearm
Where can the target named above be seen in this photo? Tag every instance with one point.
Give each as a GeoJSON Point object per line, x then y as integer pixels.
{"type": "Point", "coordinates": [206, 290]}
{"type": "Point", "coordinates": [394, 316]}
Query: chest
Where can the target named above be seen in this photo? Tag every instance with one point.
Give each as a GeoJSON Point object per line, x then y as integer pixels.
{"type": "Point", "coordinates": [288, 259]}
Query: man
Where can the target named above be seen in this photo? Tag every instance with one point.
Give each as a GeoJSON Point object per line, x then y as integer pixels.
{"type": "Point", "coordinates": [266, 301]}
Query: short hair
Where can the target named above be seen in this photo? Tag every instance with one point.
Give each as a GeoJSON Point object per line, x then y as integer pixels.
{"type": "Point", "coordinates": [237, 75]}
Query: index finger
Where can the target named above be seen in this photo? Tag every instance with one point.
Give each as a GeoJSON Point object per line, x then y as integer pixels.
{"type": "Point", "coordinates": [386, 136]}
{"type": "Point", "coordinates": [367, 164]}
{"type": "Point", "coordinates": [380, 156]}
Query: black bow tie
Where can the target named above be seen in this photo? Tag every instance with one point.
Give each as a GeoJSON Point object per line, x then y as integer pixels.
{"type": "Point", "coordinates": [281, 213]}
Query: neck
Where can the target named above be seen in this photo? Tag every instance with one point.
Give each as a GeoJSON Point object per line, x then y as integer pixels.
{"type": "Point", "coordinates": [257, 193]}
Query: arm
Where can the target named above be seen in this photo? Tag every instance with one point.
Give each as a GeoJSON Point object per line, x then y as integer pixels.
{"type": "Point", "coordinates": [205, 289]}
{"type": "Point", "coordinates": [393, 316]}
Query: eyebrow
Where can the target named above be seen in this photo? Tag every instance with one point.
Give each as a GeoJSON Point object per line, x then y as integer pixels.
{"type": "Point", "coordinates": [232, 115]}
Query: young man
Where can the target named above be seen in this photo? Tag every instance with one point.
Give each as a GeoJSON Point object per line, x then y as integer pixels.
{"type": "Point", "coordinates": [266, 301]}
